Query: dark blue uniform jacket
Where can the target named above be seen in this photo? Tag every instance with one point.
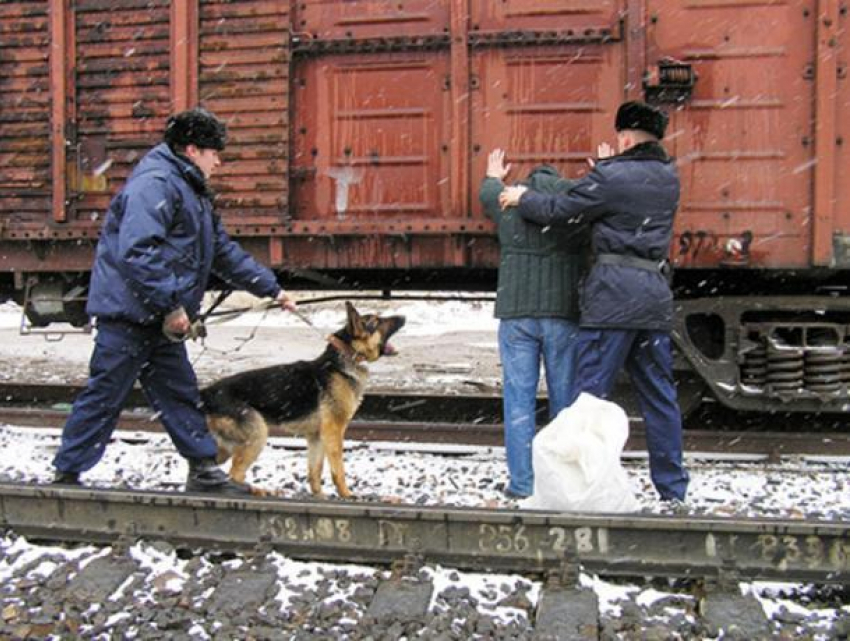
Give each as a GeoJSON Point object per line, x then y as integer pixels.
{"type": "Point", "coordinates": [160, 243]}
{"type": "Point", "coordinates": [629, 200]}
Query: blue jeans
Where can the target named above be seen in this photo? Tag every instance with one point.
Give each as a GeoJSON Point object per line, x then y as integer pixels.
{"type": "Point", "coordinates": [646, 355]}
{"type": "Point", "coordinates": [123, 353]}
{"type": "Point", "coordinates": [522, 342]}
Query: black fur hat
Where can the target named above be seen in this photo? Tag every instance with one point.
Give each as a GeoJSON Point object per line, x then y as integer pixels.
{"type": "Point", "coordinates": [639, 115]}
{"type": "Point", "coordinates": [196, 127]}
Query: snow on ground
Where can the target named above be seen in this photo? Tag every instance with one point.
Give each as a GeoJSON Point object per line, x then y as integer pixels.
{"type": "Point", "coordinates": [322, 600]}
{"type": "Point", "coordinates": [463, 359]}
{"type": "Point", "coordinates": [424, 317]}
{"type": "Point", "coordinates": [384, 471]}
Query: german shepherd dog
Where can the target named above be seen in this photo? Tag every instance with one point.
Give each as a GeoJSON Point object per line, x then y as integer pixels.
{"type": "Point", "coordinates": [315, 399]}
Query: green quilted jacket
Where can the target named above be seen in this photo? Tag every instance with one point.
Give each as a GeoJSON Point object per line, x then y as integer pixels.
{"type": "Point", "coordinates": [539, 267]}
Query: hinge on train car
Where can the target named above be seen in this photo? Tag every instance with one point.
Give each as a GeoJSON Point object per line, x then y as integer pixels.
{"type": "Point", "coordinates": [673, 82]}
{"type": "Point", "coordinates": [303, 44]}
{"type": "Point", "coordinates": [589, 35]}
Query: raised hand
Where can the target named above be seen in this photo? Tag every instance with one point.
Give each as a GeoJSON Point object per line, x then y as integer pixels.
{"type": "Point", "coordinates": [496, 165]}
{"type": "Point", "coordinates": [603, 151]}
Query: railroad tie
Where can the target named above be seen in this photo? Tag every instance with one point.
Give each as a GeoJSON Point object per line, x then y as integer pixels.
{"type": "Point", "coordinates": [567, 614]}
{"type": "Point", "coordinates": [734, 614]}
{"type": "Point", "coordinates": [100, 579]}
{"type": "Point", "coordinates": [565, 610]}
{"type": "Point", "coordinates": [243, 590]}
{"type": "Point", "coordinates": [724, 609]}
{"type": "Point", "coordinates": [405, 596]}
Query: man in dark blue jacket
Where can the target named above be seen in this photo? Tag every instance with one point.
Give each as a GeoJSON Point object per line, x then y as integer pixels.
{"type": "Point", "coordinates": [629, 200]}
{"type": "Point", "coordinates": [159, 245]}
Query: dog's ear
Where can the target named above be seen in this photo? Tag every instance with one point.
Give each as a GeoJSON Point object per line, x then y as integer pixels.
{"type": "Point", "coordinates": [355, 323]}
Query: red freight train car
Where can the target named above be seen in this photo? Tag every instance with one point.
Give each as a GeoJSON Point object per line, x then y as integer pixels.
{"type": "Point", "coordinates": [360, 129]}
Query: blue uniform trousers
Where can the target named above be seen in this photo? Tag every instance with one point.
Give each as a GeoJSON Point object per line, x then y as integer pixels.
{"type": "Point", "coordinates": [648, 360]}
{"type": "Point", "coordinates": [123, 353]}
{"type": "Point", "coordinates": [522, 344]}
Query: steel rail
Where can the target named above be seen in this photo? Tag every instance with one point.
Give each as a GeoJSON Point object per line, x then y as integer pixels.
{"type": "Point", "coordinates": [772, 445]}
{"type": "Point", "coordinates": [482, 539]}
{"type": "Point", "coordinates": [480, 407]}
{"type": "Point", "coordinates": [399, 405]}
{"type": "Point", "coordinates": [471, 419]}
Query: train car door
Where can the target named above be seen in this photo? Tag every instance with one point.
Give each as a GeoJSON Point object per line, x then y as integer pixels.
{"type": "Point", "coordinates": [745, 138]}
{"type": "Point", "coordinates": [547, 77]}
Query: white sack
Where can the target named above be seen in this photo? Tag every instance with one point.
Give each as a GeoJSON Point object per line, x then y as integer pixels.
{"type": "Point", "coordinates": [577, 460]}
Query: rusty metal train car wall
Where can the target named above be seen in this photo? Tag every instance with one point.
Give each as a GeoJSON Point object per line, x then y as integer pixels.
{"type": "Point", "coordinates": [359, 132]}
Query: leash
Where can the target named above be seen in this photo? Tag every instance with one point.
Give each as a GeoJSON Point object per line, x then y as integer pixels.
{"type": "Point", "coordinates": [304, 319]}
{"type": "Point", "coordinates": [225, 316]}
{"type": "Point", "coordinates": [212, 317]}
{"type": "Point", "coordinates": [222, 295]}
{"type": "Point", "coordinates": [198, 329]}
{"type": "Point", "coordinates": [325, 299]}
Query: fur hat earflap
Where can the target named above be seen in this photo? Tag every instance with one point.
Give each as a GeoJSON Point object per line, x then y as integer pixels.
{"type": "Point", "coordinates": [639, 115]}
{"type": "Point", "coordinates": [196, 127]}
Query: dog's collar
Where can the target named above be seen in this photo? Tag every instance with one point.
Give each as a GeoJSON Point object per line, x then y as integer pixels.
{"type": "Point", "coordinates": [345, 350]}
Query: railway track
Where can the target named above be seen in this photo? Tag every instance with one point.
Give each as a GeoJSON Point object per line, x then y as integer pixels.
{"type": "Point", "coordinates": [241, 557]}
{"type": "Point", "coordinates": [465, 420]}
{"type": "Point", "coordinates": [712, 554]}
{"type": "Point", "coordinates": [716, 552]}
{"type": "Point", "coordinates": [481, 539]}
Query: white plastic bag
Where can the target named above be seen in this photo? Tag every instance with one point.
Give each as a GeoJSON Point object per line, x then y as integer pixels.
{"type": "Point", "coordinates": [577, 460]}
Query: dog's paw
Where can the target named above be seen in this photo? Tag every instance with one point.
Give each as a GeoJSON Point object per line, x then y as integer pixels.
{"type": "Point", "coordinates": [259, 491]}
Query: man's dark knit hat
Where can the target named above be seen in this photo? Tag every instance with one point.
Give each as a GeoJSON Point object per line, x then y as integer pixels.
{"type": "Point", "coordinates": [196, 127]}
{"type": "Point", "coordinates": [639, 115]}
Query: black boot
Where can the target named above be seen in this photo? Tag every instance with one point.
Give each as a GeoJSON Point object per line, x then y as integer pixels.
{"type": "Point", "coordinates": [205, 476]}
{"type": "Point", "coordinates": [66, 478]}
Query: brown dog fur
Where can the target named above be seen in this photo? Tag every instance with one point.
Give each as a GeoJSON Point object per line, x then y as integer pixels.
{"type": "Point", "coordinates": [315, 399]}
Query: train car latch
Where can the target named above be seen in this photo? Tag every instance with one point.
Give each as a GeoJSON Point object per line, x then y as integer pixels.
{"type": "Point", "coordinates": [673, 82]}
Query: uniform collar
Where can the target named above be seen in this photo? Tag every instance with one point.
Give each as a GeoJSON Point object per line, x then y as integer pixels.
{"type": "Point", "coordinates": [646, 151]}
{"type": "Point", "coordinates": [189, 170]}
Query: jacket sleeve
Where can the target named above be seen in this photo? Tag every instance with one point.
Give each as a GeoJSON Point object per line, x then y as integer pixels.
{"type": "Point", "coordinates": [143, 253]}
{"type": "Point", "coordinates": [582, 203]}
{"type": "Point", "coordinates": [238, 268]}
{"type": "Point", "coordinates": [489, 197]}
